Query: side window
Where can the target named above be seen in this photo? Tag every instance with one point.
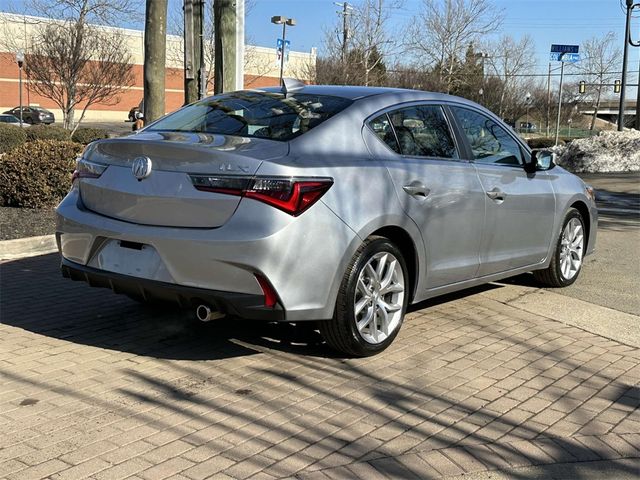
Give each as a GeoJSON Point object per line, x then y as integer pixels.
{"type": "Point", "coordinates": [422, 131]}
{"type": "Point", "coordinates": [382, 128]}
{"type": "Point", "coordinates": [490, 143]}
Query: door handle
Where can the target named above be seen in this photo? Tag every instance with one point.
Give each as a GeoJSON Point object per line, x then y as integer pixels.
{"type": "Point", "coordinates": [416, 189]}
{"type": "Point", "coordinates": [496, 194]}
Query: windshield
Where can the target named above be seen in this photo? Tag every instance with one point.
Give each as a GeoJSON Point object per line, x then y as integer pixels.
{"type": "Point", "coordinates": [254, 114]}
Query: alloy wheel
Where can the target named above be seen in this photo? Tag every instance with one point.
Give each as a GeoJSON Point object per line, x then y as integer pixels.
{"type": "Point", "coordinates": [571, 248]}
{"type": "Point", "coordinates": [379, 298]}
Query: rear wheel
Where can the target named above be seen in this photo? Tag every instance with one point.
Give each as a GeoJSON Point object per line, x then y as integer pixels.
{"type": "Point", "coordinates": [371, 302]}
{"type": "Point", "coordinates": [566, 261]}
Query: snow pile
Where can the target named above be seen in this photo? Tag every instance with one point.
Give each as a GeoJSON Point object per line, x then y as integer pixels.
{"type": "Point", "coordinates": [608, 152]}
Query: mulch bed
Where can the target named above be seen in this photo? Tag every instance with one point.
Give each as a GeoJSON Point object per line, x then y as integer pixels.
{"type": "Point", "coordinates": [24, 222]}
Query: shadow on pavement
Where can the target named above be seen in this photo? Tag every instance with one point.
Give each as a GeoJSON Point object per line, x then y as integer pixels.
{"type": "Point", "coordinates": [35, 297]}
{"type": "Point", "coordinates": [432, 387]}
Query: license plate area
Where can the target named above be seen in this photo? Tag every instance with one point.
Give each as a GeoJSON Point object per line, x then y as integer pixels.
{"type": "Point", "coordinates": [131, 258]}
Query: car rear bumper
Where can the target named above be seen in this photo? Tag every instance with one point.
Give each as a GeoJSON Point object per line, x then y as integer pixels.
{"type": "Point", "coordinates": [297, 256]}
{"type": "Point", "coordinates": [243, 305]}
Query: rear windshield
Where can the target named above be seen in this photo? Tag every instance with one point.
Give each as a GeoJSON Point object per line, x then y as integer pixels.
{"type": "Point", "coordinates": [254, 114]}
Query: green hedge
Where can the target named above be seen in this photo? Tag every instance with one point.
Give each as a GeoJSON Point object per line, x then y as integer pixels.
{"type": "Point", "coordinates": [37, 174]}
{"type": "Point", "coordinates": [87, 135]}
{"type": "Point", "coordinates": [11, 137]}
{"type": "Point", "coordinates": [47, 132]}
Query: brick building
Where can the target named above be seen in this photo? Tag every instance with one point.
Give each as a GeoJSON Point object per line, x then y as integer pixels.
{"type": "Point", "coordinates": [16, 32]}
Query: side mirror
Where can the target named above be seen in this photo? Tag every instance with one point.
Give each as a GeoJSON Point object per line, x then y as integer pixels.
{"type": "Point", "coordinates": [540, 160]}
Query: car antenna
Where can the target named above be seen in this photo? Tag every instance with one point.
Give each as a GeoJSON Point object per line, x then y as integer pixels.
{"type": "Point", "coordinates": [291, 85]}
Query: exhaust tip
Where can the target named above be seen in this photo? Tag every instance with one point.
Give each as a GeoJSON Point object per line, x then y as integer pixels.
{"type": "Point", "coordinates": [205, 314]}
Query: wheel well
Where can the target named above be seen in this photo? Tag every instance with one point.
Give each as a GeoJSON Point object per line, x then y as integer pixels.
{"type": "Point", "coordinates": [401, 239]}
{"type": "Point", "coordinates": [586, 218]}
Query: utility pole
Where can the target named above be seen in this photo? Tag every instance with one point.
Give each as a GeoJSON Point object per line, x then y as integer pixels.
{"type": "Point", "coordinates": [346, 11]}
{"type": "Point", "coordinates": [155, 41]}
{"type": "Point", "coordinates": [625, 59]}
{"type": "Point", "coordinates": [193, 50]}
{"type": "Point", "coordinates": [638, 101]}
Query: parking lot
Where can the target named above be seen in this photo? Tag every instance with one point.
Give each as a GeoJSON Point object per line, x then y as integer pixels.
{"type": "Point", "coordinates": [506, 377]}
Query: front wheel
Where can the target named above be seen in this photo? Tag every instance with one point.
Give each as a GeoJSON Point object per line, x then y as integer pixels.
{"type": "Point", "coordinates": [567, 258]}
{"type": "Point", "coordinates": [371, 302]}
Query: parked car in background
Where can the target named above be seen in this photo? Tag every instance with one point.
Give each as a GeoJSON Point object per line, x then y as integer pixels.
{"type": "Point", "coordinates": [33, 115]}
{"type": "Point", "coordinates": [528, 127]}
{"type": "Point", "coordinates": [11, 120]}
{"type": "Point", "coordinates": [340, 205]}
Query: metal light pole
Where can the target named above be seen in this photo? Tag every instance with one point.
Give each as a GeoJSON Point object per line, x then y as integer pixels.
{"type": "Point", "coordinates": [284, 21]}
{"type": "Point", "coordinates": [20, 62]}
{"type": "Point", "coordinates": [560, 96]}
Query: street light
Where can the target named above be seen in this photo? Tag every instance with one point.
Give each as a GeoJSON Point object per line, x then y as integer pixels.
{"type": "Point", "coordinates": [20, 62]}
{"type": "Point", "coordinates": [284, 21]}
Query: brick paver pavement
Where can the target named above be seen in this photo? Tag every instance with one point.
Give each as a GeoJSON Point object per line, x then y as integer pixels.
{"type": "Point", "coordinates": [93, 385]}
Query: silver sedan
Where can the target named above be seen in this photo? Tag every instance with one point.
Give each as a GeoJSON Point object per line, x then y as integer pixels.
{"type": "Point", "coordinates": [341, 205]}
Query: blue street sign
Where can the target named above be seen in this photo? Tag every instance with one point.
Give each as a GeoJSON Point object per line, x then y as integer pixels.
{"type": "Point", "coordinates": [287, 47]}
{"type": "Point", "coordinates": [565, 48]}
{"type": "Point", "coordinates": [567, 57]}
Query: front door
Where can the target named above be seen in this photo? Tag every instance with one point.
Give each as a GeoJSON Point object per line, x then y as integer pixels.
{"type": "Point", "coordinates": [437, 189]}
{"type": "Point", "coordinates": [519, 206]}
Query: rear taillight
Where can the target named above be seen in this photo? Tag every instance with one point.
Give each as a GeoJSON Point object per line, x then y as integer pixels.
{"type": "Point", "coordinates": [86, 169]}
{"type": "Point", "coordinates": [291, 195]}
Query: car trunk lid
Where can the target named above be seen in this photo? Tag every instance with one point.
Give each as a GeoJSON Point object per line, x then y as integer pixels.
{"type": "Point", "coordinates": [167, 197]}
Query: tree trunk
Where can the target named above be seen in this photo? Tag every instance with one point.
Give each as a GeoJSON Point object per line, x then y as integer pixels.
{"type": "Point", "coordinates": [225, 46]}
{"type": "Point", "coordinates": [155, 38]}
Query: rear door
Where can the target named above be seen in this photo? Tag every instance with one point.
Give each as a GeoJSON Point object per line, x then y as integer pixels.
{"type": "Point", "coordinates": [438, 189]}
{"type": "Point", "coordinates": [519, 206]}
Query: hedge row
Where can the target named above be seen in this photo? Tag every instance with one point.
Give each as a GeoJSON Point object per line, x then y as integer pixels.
{"type": "Point", "coordinates": [12, 136]}
{"type": "Point", "coordinates": [37, 174]}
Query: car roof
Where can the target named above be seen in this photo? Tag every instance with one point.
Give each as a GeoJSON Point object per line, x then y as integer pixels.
{"type": "Point", "coordinates": [358, 92]}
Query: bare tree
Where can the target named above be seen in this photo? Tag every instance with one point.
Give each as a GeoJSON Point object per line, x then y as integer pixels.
{"type": "Point", "coordinates": [76, 65]}
{"type": "Point", "coordinates": [600, 58]}
{"type": "Point", "coordinates": [370, 44]}
{"type": "Point", "coordinates": [443, 29]}
{"type": "Point", "coordinates": [371, 41]}
{"type": "Point", "coordinates": [71, 59]}
{"type": "Point", "coordinates": [510, 61]}
{"type": "Point", "coordinates": [100, 12]}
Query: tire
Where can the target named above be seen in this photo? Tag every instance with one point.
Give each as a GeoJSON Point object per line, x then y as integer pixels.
{"type": "Point", "coordinates": [381, 302]}
{"type": "Point", "coordinates": [568, 256]}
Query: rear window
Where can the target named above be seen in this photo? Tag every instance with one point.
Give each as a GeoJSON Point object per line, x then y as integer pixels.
{"type": "Point", "coordinates": [254, 114]}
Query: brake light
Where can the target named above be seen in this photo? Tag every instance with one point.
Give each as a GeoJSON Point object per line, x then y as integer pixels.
{"type": "Point", "coordinates": [86, 169]}
{"type": "Point", "coordinates": [291, 195]}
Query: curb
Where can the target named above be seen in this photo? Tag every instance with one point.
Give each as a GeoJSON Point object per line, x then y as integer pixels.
{"type": "Point", "coordinates": [27, 247]}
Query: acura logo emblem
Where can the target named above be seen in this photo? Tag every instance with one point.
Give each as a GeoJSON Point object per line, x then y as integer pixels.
{"type": "Point", "coordinates": [141, 167]}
